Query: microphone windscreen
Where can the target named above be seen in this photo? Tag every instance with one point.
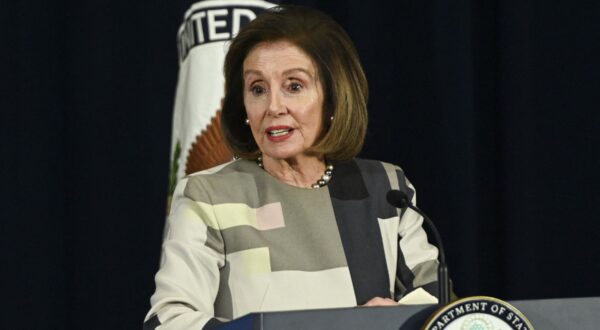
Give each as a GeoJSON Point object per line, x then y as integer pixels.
{"type": "Point", "coordinates": [397, 198]}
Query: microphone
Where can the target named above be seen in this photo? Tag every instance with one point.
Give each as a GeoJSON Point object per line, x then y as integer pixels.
{"type": "Point", "coordinates": [400, 200]}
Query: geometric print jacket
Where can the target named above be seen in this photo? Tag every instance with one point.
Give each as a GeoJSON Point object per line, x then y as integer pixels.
{"type": "Point", "coordinates": [237, 241]}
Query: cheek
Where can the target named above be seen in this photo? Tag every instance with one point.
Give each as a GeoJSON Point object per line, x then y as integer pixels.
{"type": "Point", "coordinates": [309, 110]}
{"type": "Point", "coordinates": [311, 124]}
{"type": "Point", "coordinates": [314, 118]}
{"type": "Point", "coordinates": [250, 108]}
{"type": "Point", "coordinates": [255, 124]}
{"type": "Point", "coordinates": [254, 108]}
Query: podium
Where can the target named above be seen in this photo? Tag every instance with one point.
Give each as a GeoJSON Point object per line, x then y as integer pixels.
{"type": "Point", "coordinates": [546, 314]}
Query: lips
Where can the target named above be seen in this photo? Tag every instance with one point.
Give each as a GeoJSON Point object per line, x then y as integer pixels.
{"type": "Point", "coordinates": [279, 133]}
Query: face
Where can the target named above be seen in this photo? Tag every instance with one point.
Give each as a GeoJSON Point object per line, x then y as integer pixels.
{"type": "Point", "coordinates": [283, 99]}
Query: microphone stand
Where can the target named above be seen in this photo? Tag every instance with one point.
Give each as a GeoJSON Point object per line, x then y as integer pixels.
{"type": "Point", "coordinates": [443, 279]}
{"type": "Point", "coordinates": [399, 199]}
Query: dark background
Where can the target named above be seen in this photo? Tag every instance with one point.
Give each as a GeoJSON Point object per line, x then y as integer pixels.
{"type": "Point", "coordinates": [489, 106]}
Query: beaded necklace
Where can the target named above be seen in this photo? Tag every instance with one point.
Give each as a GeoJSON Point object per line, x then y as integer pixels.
{"type": "Point", "coordinates": [320, 183]}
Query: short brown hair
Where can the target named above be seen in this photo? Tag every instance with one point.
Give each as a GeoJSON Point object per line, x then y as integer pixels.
{"type": "Point", "coordinates": [338, 68]}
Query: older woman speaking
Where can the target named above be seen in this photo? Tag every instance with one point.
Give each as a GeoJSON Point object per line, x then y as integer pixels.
{"type": "Point", "coordinates": [296, 222]}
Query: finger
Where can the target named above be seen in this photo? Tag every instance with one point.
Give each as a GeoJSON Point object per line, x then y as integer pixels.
{"type": "Point", "coordinates": [378, 301]}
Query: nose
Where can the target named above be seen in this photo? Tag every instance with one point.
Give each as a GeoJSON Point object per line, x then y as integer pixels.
{"type": "Point", "coordinates": [276, 104]}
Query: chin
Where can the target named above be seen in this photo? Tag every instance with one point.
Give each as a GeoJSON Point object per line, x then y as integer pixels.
{"type": "Point", "coordinates": [282, 154]}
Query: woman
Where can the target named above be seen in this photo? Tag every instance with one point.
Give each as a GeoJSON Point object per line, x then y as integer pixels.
{"type": "Point", "coordinates": [297, 222]}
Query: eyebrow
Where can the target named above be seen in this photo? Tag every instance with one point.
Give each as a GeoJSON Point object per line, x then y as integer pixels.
{"type": "Point", "coordinates": [288, 71]}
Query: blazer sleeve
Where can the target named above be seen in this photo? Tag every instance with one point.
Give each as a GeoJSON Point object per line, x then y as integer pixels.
{"type": "Point", "coordinates": [192, 254]}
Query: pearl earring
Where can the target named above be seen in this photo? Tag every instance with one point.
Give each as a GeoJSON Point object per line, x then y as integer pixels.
{"type": "Point", "coordinates": [247, 122]}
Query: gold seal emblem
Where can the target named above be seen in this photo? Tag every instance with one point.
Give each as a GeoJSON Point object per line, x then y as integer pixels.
{"type": "Point", "coordinates": [478, 313]}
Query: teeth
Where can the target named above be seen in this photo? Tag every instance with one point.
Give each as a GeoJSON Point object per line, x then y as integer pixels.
{"type": "Point", "coordinates": [278, 132]}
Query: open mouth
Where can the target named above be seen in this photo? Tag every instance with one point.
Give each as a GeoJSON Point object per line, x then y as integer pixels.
{"type": "Point", "coordinates": [279, 132]}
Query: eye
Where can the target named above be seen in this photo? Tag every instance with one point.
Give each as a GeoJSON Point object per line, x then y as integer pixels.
{"type": "Point", "coordinates": [257, 90]}
{"type": "Point", "coordinates": [295, 86]}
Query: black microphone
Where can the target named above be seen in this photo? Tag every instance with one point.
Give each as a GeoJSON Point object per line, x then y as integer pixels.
{"type": "Point", "coordinates": [400, 200]}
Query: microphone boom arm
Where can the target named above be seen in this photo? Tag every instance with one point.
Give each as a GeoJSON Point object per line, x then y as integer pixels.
{"type": "Point", "coordinates": [443, 279]}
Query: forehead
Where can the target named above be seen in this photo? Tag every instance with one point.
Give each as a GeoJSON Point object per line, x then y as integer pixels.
{"type": "Point", "coordinates": [277, 57]}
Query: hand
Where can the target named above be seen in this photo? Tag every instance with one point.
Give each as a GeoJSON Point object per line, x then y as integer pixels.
{"type": "Point", "coordinates": [378, 301]}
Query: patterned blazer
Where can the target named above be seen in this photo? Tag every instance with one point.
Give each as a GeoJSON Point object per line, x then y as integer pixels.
{"type": "Point", "coordinates": [239, 241]}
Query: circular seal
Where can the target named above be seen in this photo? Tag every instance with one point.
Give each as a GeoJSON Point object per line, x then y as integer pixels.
{"type": "Point", "coordinates": [478, 313]}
